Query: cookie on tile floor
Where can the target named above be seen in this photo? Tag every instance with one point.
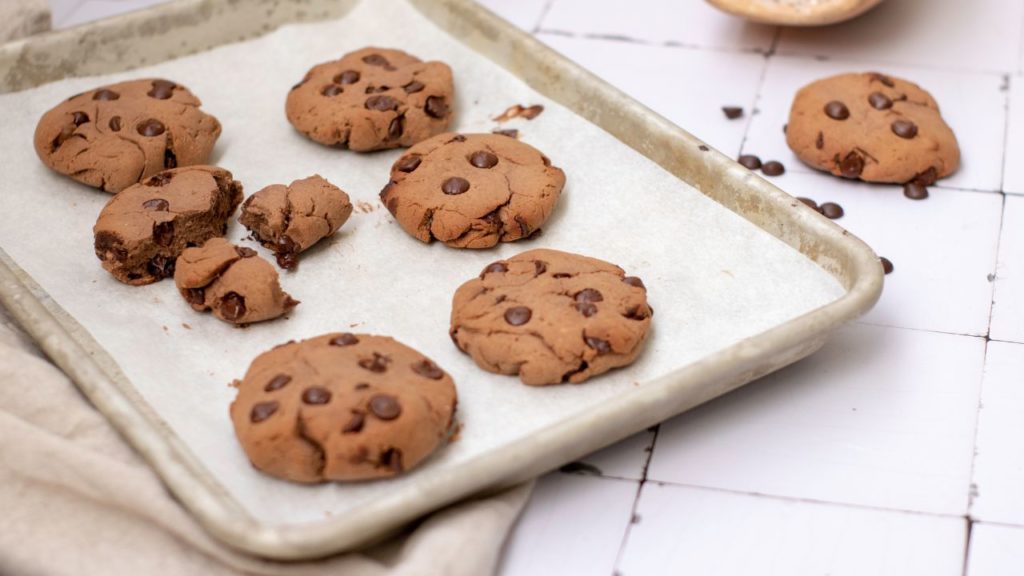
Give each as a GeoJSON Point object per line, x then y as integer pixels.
{"type": "Point", "coordinates": [873, 127]}
{"type": "Point", "coordinates": [551, 317]}
{"type": "Point", "coordinates": [472, 190]}
{"type": "Point", "coordinates": [231, 281]}
{"type": "Point", "coordinates": [290, 219]}
{"type": "Point", "coordinates": [343, 407]}
{"type": "Point", "coordinates": [143, 229]}
{"type": "Point", "coordinates": [371, 99]}
{"type": "Point", "coordinates": [121, 134]}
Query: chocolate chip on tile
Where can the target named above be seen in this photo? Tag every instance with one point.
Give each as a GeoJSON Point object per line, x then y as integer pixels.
{"type": "Point", "coordinates": [836, 110]}
{"type": "Point", "coordinates": [277, 382]}
{"type": "Point", "coordinates": [773, 168]}
{"type": "Point", "coordinates": [232, 306]}
{"type": "Point", "coordinates": [158, 204]}
{"type": "Point", "coordinates": [409, 163]}
{"type": "Point", "coordinates": [904, 129]}
{"type": "Point", "coordinates": [151, 127]}
{"type": "Point", "coordinates": [428, 369]}
{"type": "Point", "coordinates": [601, 346]}
{"type": "Point", "coordinates": [811, 203]}
{"type": "Point", "coordinates": [162, 89]}
{"type": "Point", "coordinates": [750, 162]}
{"type": "Point", "coordinates": [879, 101]}
{"type": "Point", "coordinates": [732, 112]}
{"type": "Point", "coordinates": [347, 77]}
{"type": "Point", "coordinates": [436, 107]}
{"type": "Point", "coordinates": [104, 94]}
{"type": "Point", "coordinates": [483, 159]}
{"type": "Point", "coordinates": [455, 185]}
{"type": "Point", "coordinates": [385, 406]}
{"type": "Point", "coordinates": [262, 411]}
{"type": "Point", "coordinates": [316, 395]}
{"type": "Point", "coordinates": [831, 210]}
{"type": "Point", "coordinates": [886, 265]}
{"type": "Point", "coordinates": [354, 424]}
{"type": "Point", "coordinates": [346, 339]}
{"type": "Point", "coordinates": [518, 315]}
{"type": "Point", "coordinates": [378, 363]}
{"type": "Point", "coordinates": [381, 102]}
{"type": "Point", "coordinates": [915, 191]}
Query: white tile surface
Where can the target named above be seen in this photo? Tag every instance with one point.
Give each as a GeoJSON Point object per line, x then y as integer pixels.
{"type": "Point", "coordinates": [942, 248]}
{"type": "Point", "coordinates": [686, 22]}
{"type": "Point", "coordinates": [950, 34]}
{"type": "Point", "coordinates": [572, 524]}
{"type": "Point", "coordinates": [525, 14]}
{"type": "Point", "coordinates": [1013, 175]}
{"type": "Point", "coordinates": [89, 10]}
{"type": "Point", "coordinates": [879, 417]}
{"type": "Point", "coordinates": [663, 78]}
{"type": "Point", "coordinates": [973, 104]}
{"type": "Point", "coordinates": [716, 533]}
{"type": "Point", "coordinates": [1008, 293]}
{"type": "Point", "coordinates": [996, 551]}
{"type": "Point", "coordinates": [625, 459]}
{"type": "Point", "coordinates": [999, 452]}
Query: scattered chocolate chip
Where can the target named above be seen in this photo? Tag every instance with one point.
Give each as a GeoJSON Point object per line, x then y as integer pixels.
{"type": "Point", "coordinates": [150, 128]}
{"type": "Point", "coordinates": [819, 142]}
{"type": "Point", "coordinates": [162, 89]}
{"type": "Point", "coordinates": [316, 395]}
{"type": "Point", "coordinates": [750, 162]}
{"type": "Point", "coordinates": [588, 295]}
{"type": "Point", "coordinates": [831, 210]}
{"type": "Point", "coordinates": [915, 191]}
{"type": "Point", "coordinates": [346, 339]}
{"type": "Point", "coordinates": [396, 127]}
{"type": "Point", "coordinates": [262, 411]}
{"type": "Point", "coordinates": [245, 252]}
{"type": "Point", "coordinates": [332, 90]}
{"type": "Point", "coordinates": [385, 406]}
{"type": "Point", "coordinates": [163, 233]}
{"type": "Point", "coordinates": [810, 203]}
{"type": "Point", "coordinates": [436, 107]}
{"type": "Point", "coordinates": [886, 265]}
{"type": "Point", "coordinates": [375, 60]}
{"type": "Point", "coordinates": [65, 133]}
{"type": "Point", "coordinates": [382, 103]}
{"type": "Point", "coordinates": [904, 128]}
{"type": "Point", "coordinates": [496, 267]}
{"type": "Point", "coordinates": [409, 163]}
{"type": "Point", "coordinates": [428, 369]}
{"type": "Point", "coordinates": [158, 204]}
{"type": "Point", "coordinates": [195, 296]}
{"type": "Point", "coordinates": [161, 179]}
{"type": "Point", "coordinates": [377, 363]}
{"type": "Point", "coordinates": [160, 267]}
{"type": "Point", "coordinates": [879, 101]}
{"type": "Point", "coordinates": [773, 168]}
{"type": "Point", "coordinates": [518, 315]}
{"type": "Point", "coordinates": [277, 382]}
{"type": "Point", "coordinates": [732, 112]}
{"type": "Point", "coordinates": [510, 132]}
{"type": "Point", "coordinates": [836, 110]}
{"type": "Point", "coordinates": [413, 87]}
{"type": "Point", "coordinates": [635, 282]}
{"type": "Point", "coordinates": [347, 77]}
{"type": "Point", "coordinates": [483, 159]}
{"type": "Point", "coordinates": [115, 123]}
{"type": "Point", "coordinates": [232, 306]}
{"type": "Point", "coordinates": [601, 346]}
{"type": "Point", "coordinates": [852, 165]}
{"type": "Point", "coordinates": [354, 424]}
{"type": "Point", "coordinates": [104, 94]}
{"type": "Point", "coordinates": [586, 308]}
{"type": "Point", "coordinates": [455, 185]}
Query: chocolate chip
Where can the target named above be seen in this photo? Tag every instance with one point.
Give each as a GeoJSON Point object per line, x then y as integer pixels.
{"type": "Point", "coordinates": [852, 165]}
{"type": "Point", "coordinates": [458, 138]}
{"type": "Point", "coordinates": [703, 148]}
{"type": "Point", "coordinates": [382, 103]}
{"type": "Point", "coordinates": [375, 60]}
{"type": "Point", "coordinates": [347, 77]}
{"type": "Point", "coordinates": [773, 168]}
{"type": "Point", "coordinates": [601, 346]}
{"type": "Point", "coordinates": [65, 133]}
{"type": "Point", "coordinates": [79, 118]}
{"type": "Point", "coordinates": [819, 143]}
{"type": "Point", "coordinates": [732, 112]}
{"type": "Point", "coordinates": [332, 90]}
{"type": "Point", "coordinates": [428, 369]}
{"type": "Point", "coordinates": [161, 179]}
{"type": "Point", "coordinates": [636, 313]}
{"type": "Point", "coordinates": [346, 339]}
{"type": "Point", "coordinates": [413, 87]}
{"type": "Point", "coordinates": [886, 265]}
{"type": "Point", "coordinates": [244, 252]}
{"type": "Point", "coordinates": [391, 458]}
{"type": "Point", "coordinates": [496, 267]}
{"type": "Point", "coordinates": [170, 160]}
{"type": "Point", "coordinates": [883, 79]}
{"type": "Point", "coordinates": [286, 252]}
{"type": "Point", "coordinates": [408, 163]}
{"type": "Point", "coordinates": [158, 204]}
{"type": "Point", "coordinates": [150, 128]}
{"type": "Point", "coordinates": [635, 282]}
{"type": "Point", "coordinates": [831, 210]}
{"type": "Point", "coordinates": [455, 185]}
{"type": "Point", "coordinates": [362, 386]}
{"type": "Point", "coordinates": [436, 107]}
{"type": "Point", "coordinates": [915, 191]}
{"type": "Point", "coordinates": [750, 162]}
{"type": "Point", "coordinates": [232, 306]}
{"type": "Point", "coordinates": [316, 395]}
{"type": "Point", "coordinates": [355, 423]}
{"type": "Point", "coordinates": [262, 411]}
{"type": "Point", "coordinates": [836, 110]}
{"type": "Point", "coordinates": [879, 101]}
{"type": "Point", "coordinates": [904, 129]}
{"type": "Point", "coordinates": [483, 159]}
{"type": "Point", "coordinates": [586, 308]}
{"type": "Point", "coordinates": [810, 203]}
{"type": "Point", "coordinates": [510, 132]}
{"type": "Point", "coordinates": [163, 233]}
{"type": "Point", "coordinates": [160, 267]}
{"type": "Point", "coordinates": [385, 406]}
{"type": "Point", "coordinates": [539, 266]}
{"type": "Point", "coordinates": [376, 89]}
{"type": "Point", "coordinates": [104, 94]}
{"type": "Point", "coordinates": [518, 315]}
{"type": "Point", "coordinates": [928, 177]}
{"type": "Point", "coordinates": [377, 363]}
{"type": "Point", "coordinates": [561, 275]}
{"type": "Point", "coordinates": [588, 295]}
{"type": "Point", "coordinates": [162, 89]}
{"type": "Point", "coordinates": [396, 127]}
{"type": "Point", "coordinates": [115, 123]}
{"type": "Point", "coordinates": [195, 296]}
{"type": "Point", "coordinates": [277, 382]}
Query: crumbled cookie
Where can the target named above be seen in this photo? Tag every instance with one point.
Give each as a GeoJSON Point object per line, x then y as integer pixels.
{"type": "Point", "coordinates": [342, 407]}
{"type": "Point", "coordinates": [472, 190]}
{"type": "Point", "coordinates": [143, 229]}
{"type": "Point", "coordinates": [119, 135]}
{"type": "Point", "coordinates": [232, 281]}
{"type": "Point", "coordinates": [873, 127]}
{"type": "Point", "coordinates": [290, 219]}
{"type": "Point", "coordinates": [551, 317]}
{"type": "Point", "coordinates": [371, 99]}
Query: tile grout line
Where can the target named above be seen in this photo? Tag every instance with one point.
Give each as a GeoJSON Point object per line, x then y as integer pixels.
{"type": "Point", "coordinates": [972, 490]}
{"type": "Point", "coordinates": [540, 18]}
{"type": "Point", "coordinates": [760, 86]}
{"type": "Point", "coordinates": [633, 518]}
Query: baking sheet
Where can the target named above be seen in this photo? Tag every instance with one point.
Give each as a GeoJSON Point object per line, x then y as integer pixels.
{"type": "Point", "coordinates": [713, 278]}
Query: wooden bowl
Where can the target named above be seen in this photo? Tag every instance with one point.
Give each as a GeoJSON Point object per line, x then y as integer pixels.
{"type": "Point", "coordinates": [795, 12]}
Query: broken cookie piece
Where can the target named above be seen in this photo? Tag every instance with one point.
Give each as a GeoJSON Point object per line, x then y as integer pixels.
{"type": "Point", "coordinates": [472, 190]}
{"type": "Point", "coordinates": [290, 219]}
{"type": "Point", "coordinates": [143, 229]}
{"type": "Point", "coordinates": [231, 281]}
{"type": "Point", "coordinates": [551, 317]}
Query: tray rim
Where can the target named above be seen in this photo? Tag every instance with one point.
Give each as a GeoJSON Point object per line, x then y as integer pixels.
{"type": "Point", "coordinates": [841, 254]}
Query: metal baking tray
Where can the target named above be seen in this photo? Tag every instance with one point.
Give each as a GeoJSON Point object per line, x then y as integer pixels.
{"type": "Point", "coordinates": [194, 26]}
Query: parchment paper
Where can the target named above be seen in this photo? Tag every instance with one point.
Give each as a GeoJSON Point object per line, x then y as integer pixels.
{"type": "Point", "coordinates": [713, 278]}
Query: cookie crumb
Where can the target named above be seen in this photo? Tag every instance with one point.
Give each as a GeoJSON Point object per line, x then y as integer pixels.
{"type": "Point", "coordinates": [519, 111]}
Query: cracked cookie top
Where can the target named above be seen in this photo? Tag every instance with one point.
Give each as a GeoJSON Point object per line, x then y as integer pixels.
{"type": "Point", "coordinates": [121, 134]}
{"type": "Point", "coordinates": [872, 127]}
{"type": "Point", "coordinates": [371, 99]}
{"type": "Point", "coordinates": [551, 317]}
{"type": "Point", "coordinates": [344, 407]}
{"type": "Point", "coordinates": [472, 190]}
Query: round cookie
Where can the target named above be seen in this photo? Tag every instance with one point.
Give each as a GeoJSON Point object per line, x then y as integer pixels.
{"type": "Point", "coordinates": [472, 190]}
{"type": "Point", "coordinates": [342, 407]}
{"type": "Point", "coordinates": [873, 127]}
{"type": "Point", "coordinates": [121, 134]}
{"type": "Point", "coordinates": [233, 282]}
{"type": "Point", "coordinates": [551, 317]}
{"type": "Point", "coordinates": [372, 99]}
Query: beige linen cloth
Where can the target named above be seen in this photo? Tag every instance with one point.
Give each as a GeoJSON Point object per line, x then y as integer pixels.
{"type": "Point", "coordinates": [75, 499]}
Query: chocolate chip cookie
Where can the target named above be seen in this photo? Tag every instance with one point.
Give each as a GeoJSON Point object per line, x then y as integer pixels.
{"type": "Point", "coordinates": [342, 407]}
{"type": "Point", "coordinates": [873, 127]}
{"type": "Point", "coordinates": [472, 190]}
{"type": "Point", "coordinates": [551, 317]}
{"type": "Point", "coordinates": [118, 135]}
{"type": "Point", "coordinates": [232, 281]}
{"type": "Point", "coordinates": [290, 219]}
{"type": "Point", "coordinates": [372, 99]}
{"type": "Point", "coordinates": [143, 229]}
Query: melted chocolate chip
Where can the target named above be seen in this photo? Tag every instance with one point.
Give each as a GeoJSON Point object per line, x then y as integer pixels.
{"type": "Point", "coordinates": [315, 395]}
{"type": "Point", "coordinates": [104, 94]}
{"type": "Point", "coordinates": [286, 252]}
{"type": "Point", "coordinates": [79, 118]}
{"type": "Point", "coordinates": [915, 191]}
{"type": "Point", "coordinates": [331, 90]}
{"type": "Point", "coordinates": [732, 112]}
{"type": "Point", "coordinates": [396, 127]}
{"type": "Point", "coordinates": [875, 76]}
{"type": "Point", "coordinates": [518, 315]}
{"type": "Point", "coordinates": [150, 128]}
{"type": "Point", "coordinates": [436, 107]}
{"type": "Point", "coordinates": [836, 110]}
{"type": "Point", "coordinates": [160, 267]}
{"type": "Point", "coordinates": [346, 339]}
{"type": "Point", "coordinates": [115, 123]}
{"type": "Point", "coordinates": [163, 233]}
{"type": "Point", "coordinates": [928, 177]}
{"type": "Point", "coordinates": [496, 267]}
{"type": "Point", "coordinates": [879, 101]}
{"type": "Point", "coordinates": [428, 369]}
{"type": "Point", "coordinates": [362, 386]}
{"type": "Point", "coordinates": [377, 363]}
{"type": "Point", "coordinates": [277, 382]}
{"type": "Point", "coordinates": [561, 275]}
{"type": "Point", "coordinates": [347, 77]}
{"type": "Point", "coordinates": [634, 281]}
{"type": "Point", "coordinates": [195, 296]}
{"type": "Point", "coordinates": [483, 159]}
{"type": "Point", "coordinates": [376, 89]}
{"type": "Point", "coordinates": [354, 424]}
{"type": "Point", "coordinates": [831, 210]}
{"type": "Point", "coordinates": [382, 103]}
{"type": "Point", "coordinates": [162, 89]}
{"type": "Point", "coordinates": [232, 306]}
{"type": "Point", "coordinates": [413, 87]}
{"type": "Point", "coordinates": [170, 160]}
{"type": "Point", "coordinates": [408, 163]}
{"type": "Point", "coordinates": [158, 204]}
{"type": "Point", "coordinates": [455, 185]}
{"type": "Point", "coordinates": [852, 165]}
{"type": "Point", "coordinates": [262, 411]}
{"type": "Point", "coordinates": [750, 162]}
{"type": "Point", "coordinates": [773, 168]}
{"type": "Point", "coordinates": [601, 346]}
{"type": "Point", "coordinates": [244, 252]}
{"type": "Point", "coordinates": [586, 308]}
{"type": "Point", "coordinates": [904, 129]}
{"type": "Point", "coordinates": [385, 406]}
